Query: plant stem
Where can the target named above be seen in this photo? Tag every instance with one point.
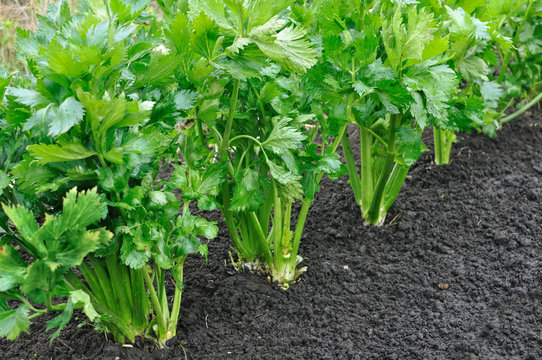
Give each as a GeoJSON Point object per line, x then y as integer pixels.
{"type": "Point", "coordinates": [367, 175]}
{"type": "Point", "coordinates": [92, 281]}
{"type": "Point", "coordinates": [374, 215]}
{"type": "Point", "coordinates": [437, 137]}
{"type": "Point", "coordinates": [105, 283]}
{"type": "Point", "coordinates": [522, 110]}
{"type": "Point", "coordinates": [176, 308]}
{"type": "Point", "coordinates": [121, 290]}
{"type": "Point", "coordinates": [394, 185]}
{"type": "Point", "coordinates": [228, 216]}
{"type": "Point", "coordinates": [116, 326]}
{"type": "Point", "coordinates": [355, 181]}
{"type": "Point", "coordinates": [277, 230]}
{"type": "Point", "coordinates": [260, 235]}
{"type": "Point", "coordinates": [162, 322]}
{"type": "Point", "coordinates": [140, 304]}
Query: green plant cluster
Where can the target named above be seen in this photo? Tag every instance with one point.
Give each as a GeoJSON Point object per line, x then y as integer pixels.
{"type": "Point", "coordinates": [130, 127]}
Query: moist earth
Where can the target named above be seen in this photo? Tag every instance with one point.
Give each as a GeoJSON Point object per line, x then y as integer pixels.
{"type": "Point", "coordinates": [454, 273]}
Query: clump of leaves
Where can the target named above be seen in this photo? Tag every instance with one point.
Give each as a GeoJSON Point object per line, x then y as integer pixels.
{"type": "Point", "coordinates": [101, 112]}
{"type": "Point", "coordinates": [253, 113]}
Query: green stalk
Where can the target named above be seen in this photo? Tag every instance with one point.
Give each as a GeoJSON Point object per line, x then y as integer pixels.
{"type": "Point", "coordinates": [374, 215]}
{"type": "Point", "coordinates": [123, 329]}
{"type": "Point", "coordinates": [140, 306]}
{"type": "Point", "coordinates": [367, 175]}
{"type": "Point", "coordinates": [176, 308]}
{"type": "Point", "coordinates": [200, 131]}
{"type": "Point", "coordinates": [437, 137]}
{"type": "Point", "coordinates": [265, 213]}
{"type": "Point", "coordinates": [105, 283]}
{"type": "Point", "coordinates": [261, 238]}
{"type": "Point", "coordinates": [523, 109]}
{"type": "Point", "coordinates": [277, 231]}
{"type": "Point", "coordinates": [161, 285]}
{"type": "Point", "coordinates": [228, 216]}
{"type": "Point", "coordinates": [114, 325]}
{"type": "Point", "coordinates": [162, 321]}
{"type": "Point", "coordinates": [355, 181]}
{"type": "Point", "coordinates": [394, 185]}
{"type": "Point", "coordinates": [120, 289]}
{"type": "Point", "coordinates": [249, 250]}
{"type": "Point", "coordinates": [75, 284]}
{"type": "Point", "coordinates": [285, 231]}
{"type": "Point", "coordinates": [92, 281]}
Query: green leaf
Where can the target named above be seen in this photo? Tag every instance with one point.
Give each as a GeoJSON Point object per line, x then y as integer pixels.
{"type": "Point", "coordinates": [158, 197]}
{"type": "Point", "coordinates": [81, 297]}
{"type": "Point", "coordinates": [437, 46]}
{"type": "Point", "coordinates": [329, 164]}
{"type": "Point", "coordinates": [12, 268]}
{"type": "Point", "coordinates": [14, 322]}
{"type": "Point", "coordinates": [438, 83]}
{"type": "Point", "coordinates": [407, 41]}
{"type": "Point", "coordinates": [411, 146]}
{"type": "Point", "coordinates": [23, 220]}
{"type": "Point", "coordinates": [208, 110]}
{"type": "Point", "coordinates": [281, 175]}
{"type": "Point", "coordinates": [60, 321]}
{"type": "Point", "coordinates": [205, 228]}
{"type": "Point", "coordinates": [131, 256]}
{"type": "Point", "coordinates": [115, 155]}
{"type": "Point", "coordinates": [290, 192]}
{"type": "Point", "coordinates": [214, 176]}
{"type": "Point", "coordinates": [239, 44]}
{"type": "Point", "coordinates": [283, 138]}
{"type": "Point", "coordinates": [205, 38]}
{"type": "Point", "coordinates": [64, 151]}
{"type": "Point", "coordinates": [177, 33]}
{"type": "Point", "coordinates": [159, 71]}
{"type": "Point", "coordinates": [268, 92]}
{"type": "Point", "coordinates": [261, 11]}
{"type": "Point", "coordinates": [361, 88]}
{"type": "Point", "coordinates": [68, 114]}
{"type": "Point", "coordinates": [28, 97]}
{"type": "Point", "coordinates": [492, 92]}
{"type": "Point", "coordinates": [4, 181]}
{"type": "Point", "coordinates": [185, 99]}
{"type": "Point", "coordinates": [185, 245]}
{"type": "Point", "coordinates": [71, 250]}
{"type": "Point", "coordinates": [473, 67]}
{"type": "Point", "coordinates": [39, 279]}
{"type": "Point", "coordinates": [288, 46]}
{"type": "Point", "coordinates": [215, 9]}
{"type": "Point", "coordinates": [250, 191]}
{"type": "Point", "coordinates": [79, 210]}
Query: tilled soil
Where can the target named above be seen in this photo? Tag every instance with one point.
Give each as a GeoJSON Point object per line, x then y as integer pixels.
{"type": "Point", "coordinates": [455, 273]}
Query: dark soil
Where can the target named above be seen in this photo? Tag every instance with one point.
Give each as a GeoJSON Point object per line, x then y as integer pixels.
{"type": "Point", "coordinates": [455, 273]}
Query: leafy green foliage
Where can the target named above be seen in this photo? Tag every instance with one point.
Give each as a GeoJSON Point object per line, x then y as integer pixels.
{"type": "Point", "coordinates": [60, 244]}
{"type": "Point", "coordinates": [235, 105]}
{"type": "Point", "coordinates": [101, 113]}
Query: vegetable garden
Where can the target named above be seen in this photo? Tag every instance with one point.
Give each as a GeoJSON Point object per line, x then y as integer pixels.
{"type": "Point", "coordinates": [149, 162]}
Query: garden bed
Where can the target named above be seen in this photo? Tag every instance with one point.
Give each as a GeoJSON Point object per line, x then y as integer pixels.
{"type": "Point", "coordinates": [455, 273]}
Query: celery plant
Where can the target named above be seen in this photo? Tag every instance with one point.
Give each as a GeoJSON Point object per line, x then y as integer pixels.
{"type": "Point", "coordinates": [101, 114]}
{"type": "Point", "coordinates": [383, 65]}
{"type": "Point", "coordinates": [252, 110]}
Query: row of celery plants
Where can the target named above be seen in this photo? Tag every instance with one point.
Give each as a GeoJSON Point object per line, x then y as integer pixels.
{"type": "Point", "coordinates": [396, 68]}
{"type": "Point", "coordinates": [240, 105]}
